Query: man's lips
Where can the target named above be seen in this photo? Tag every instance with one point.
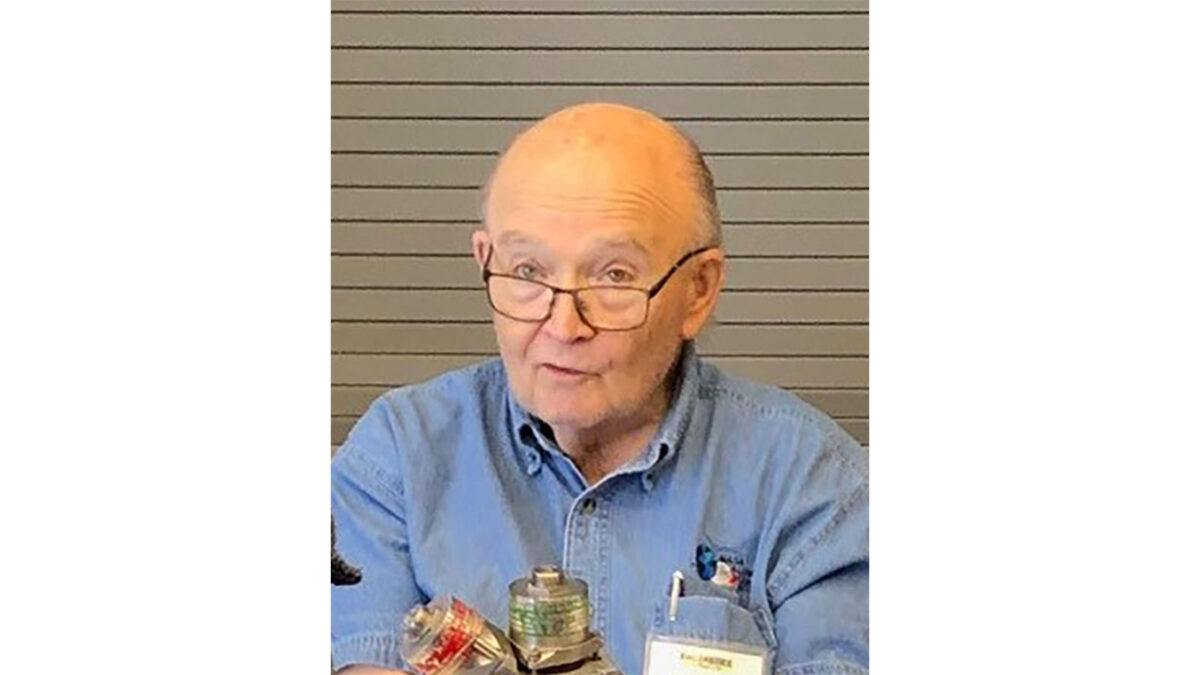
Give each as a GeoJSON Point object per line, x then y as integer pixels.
{"type": "Point", "coordinates": [564, 370]}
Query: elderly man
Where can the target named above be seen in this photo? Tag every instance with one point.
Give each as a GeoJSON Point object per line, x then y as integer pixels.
{"type": "Point", "coordinates": [599, 441]}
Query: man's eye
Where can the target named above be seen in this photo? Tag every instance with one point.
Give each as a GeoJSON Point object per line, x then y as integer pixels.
{"type": "Point", "coordinates": [618, 276]}
{"type": "Point", "coordinates": [525, 271]}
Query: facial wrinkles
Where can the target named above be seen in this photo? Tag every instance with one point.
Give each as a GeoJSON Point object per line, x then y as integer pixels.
{"type": "Point", "coordinates": [632, 206]}
{"type": "Point", "coordinates": [651, 218]}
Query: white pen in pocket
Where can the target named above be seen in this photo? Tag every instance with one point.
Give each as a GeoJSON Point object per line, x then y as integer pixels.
{"type": "Point", "coordinates": [676, 591]}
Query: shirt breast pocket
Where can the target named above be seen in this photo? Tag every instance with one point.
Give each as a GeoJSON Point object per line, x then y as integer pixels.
{"type": "Point", "coordinates": [715, 619]}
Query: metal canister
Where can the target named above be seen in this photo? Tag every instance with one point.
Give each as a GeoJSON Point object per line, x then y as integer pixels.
{"type": "Point", "coordinates": [447, 637]}
{"type": "Point", "coordinates": [548, 610]}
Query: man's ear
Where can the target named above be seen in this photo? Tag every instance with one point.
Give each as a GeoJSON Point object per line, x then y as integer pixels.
{"type": "Point", "coordinates": [481, 242]}
{"type": "Point", "coordinates": [706, 281]}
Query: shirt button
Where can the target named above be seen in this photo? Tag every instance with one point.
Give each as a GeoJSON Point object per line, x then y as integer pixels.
{"type": "Point", "coordinates": [589, 506]}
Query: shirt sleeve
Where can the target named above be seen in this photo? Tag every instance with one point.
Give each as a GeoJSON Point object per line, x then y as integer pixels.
{"type": "Point", "coordinates": [369, 513]}
{"type": "Point", "coordinates": [819, 592]}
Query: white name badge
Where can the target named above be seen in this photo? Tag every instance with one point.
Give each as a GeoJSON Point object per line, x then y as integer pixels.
{"type": "Point", "coordinates": [683, 656]}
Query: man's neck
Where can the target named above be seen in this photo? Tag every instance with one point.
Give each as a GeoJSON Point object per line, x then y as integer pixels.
{"type": "Point", "coordinates": [599, 450]}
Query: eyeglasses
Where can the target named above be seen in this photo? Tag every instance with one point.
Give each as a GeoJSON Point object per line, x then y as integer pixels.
{"type": "Point", "coordinates": [600, 307]}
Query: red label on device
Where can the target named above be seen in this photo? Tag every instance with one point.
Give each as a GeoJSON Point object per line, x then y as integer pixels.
{"type": "Point", "coordinates": [455, 638]}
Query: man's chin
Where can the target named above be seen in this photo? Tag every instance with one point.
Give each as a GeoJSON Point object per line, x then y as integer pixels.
{"type": "Point", "coordinates": [566, 411]}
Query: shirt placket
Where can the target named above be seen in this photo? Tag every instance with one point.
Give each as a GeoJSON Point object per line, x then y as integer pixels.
{"type": "Point", "coordinates": [589, 551]}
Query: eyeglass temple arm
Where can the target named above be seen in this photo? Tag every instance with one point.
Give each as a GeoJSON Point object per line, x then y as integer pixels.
{"type": "Point", "coordinates": [653, 290]}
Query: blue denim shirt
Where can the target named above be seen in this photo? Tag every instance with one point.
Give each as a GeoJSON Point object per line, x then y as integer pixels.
{"type": "Point", "coordinates": [451, 487]}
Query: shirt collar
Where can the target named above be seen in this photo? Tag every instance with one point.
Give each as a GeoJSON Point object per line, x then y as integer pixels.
{"type": "Point", "coordinates": [533, 437]}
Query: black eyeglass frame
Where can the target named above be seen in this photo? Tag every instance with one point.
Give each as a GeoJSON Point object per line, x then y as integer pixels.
{"type": "Point", "coordinates": [574, 292]}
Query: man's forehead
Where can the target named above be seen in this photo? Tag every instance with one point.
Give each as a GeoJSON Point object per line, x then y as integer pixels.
{"type": "Point", "coordinates": [567, 158]}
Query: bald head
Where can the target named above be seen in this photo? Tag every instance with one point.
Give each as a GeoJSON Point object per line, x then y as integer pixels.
{"type": "Point", "coordinates": [596, 146]}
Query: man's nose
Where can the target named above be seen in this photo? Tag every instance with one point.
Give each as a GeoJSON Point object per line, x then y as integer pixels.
{"type": "Point", "coordinates": [565, 323]}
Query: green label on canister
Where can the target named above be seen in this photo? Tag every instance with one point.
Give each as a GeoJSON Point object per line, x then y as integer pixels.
{"type": "Point", "coordinates": [549, 617]}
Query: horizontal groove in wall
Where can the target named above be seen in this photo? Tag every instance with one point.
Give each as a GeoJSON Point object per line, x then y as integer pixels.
{"type": "Point", "coordinates": [739, 188]}
{"type": "Point", "coordinates": [741, 256]}
{"type": "Point", "coordinates": [484, 355]}
{"type": "Point", "coordinates": [717, 354]}
{"type": "Point", "coordinates": [784, 322]}
{"type": "Point", "coordinates": [416, 153]}
{"type": "Point", "coordinates": [596, 48]}
{"type": "Point", "coordinates": [343, 417]}
{"type": "Point", "coordinates": [488, 322]}
{"type": "Point", "coordinates": [724, 291]}
{"type": "Point", "coordinates": [612, 12]}
{"type": "Point", "coordinates": [443, 359]}
{"type": "Point", "coordinates": [810, 390]}
{"type": "Point", "coordinates": [531, 118]}
{"type": "Point", "coordinates": [734, 291]}
{"type": "Point", "coordinates": [491, 84]}
{"type": "Point", "coordinates": [496, 153]}
{"type": "Point", "coordinates": [460, 221]}
{"type": "Point", "coordinates": [761, 322]}
{"type": "Point", "coordinates": [472, 188]}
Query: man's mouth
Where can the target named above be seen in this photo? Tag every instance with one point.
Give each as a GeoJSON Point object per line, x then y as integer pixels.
{"type": "Point", "coordinates": [564, 370]}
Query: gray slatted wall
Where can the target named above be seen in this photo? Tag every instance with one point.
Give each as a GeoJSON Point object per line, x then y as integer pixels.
{"type": "Point", "coordinates": [425, 93]}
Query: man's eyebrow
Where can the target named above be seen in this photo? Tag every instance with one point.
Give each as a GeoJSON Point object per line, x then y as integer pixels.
{"type": "Point", "coordinates": [509, 237]}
